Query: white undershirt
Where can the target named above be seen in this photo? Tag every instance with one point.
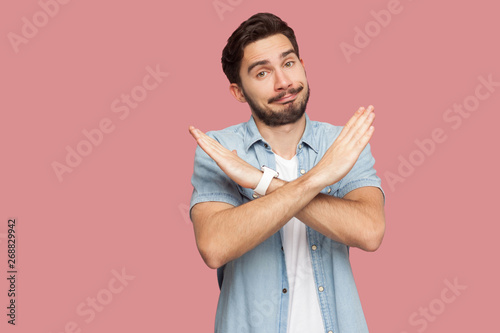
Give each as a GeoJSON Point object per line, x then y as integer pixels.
{"type": "Point", "coordinates": [304, 314]}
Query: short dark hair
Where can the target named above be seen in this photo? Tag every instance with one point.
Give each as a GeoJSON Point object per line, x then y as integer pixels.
{"type": "Point", "coordinates": [259, 26]}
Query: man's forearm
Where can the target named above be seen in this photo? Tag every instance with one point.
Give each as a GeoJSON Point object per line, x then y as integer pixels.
{"type": "Point", "coordinates": [227, 234]}
{"type": "Point", "coordinates": [353, 223]}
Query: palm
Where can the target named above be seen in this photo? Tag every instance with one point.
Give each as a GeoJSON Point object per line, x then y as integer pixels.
{"type": "Point", "coordinates": [237, 169]}
{"type": "Point", "coordinates": [345, 150]}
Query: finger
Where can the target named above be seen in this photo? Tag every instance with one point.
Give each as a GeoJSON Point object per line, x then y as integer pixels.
{"type": "Point", "coordinates": [363, 128]}
{"type": "Point", "coordinates": [200, 136]}
{"type": "Point", "coordinates": [362, 118]}
{"type": "Point", "coordinates": [195, 133]}
{"type": "Point", "coordinates": [363, 141]}
{"type": "Point", "coordinates": [211, 146]}
{"type": "Point", "coordinates": [360, 122]}
{"type": "Point", "coordinates": [351, 122]}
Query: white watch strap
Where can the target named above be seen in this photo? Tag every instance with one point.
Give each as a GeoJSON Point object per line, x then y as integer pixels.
{"type": "Point", "coordinates": [265, 181]}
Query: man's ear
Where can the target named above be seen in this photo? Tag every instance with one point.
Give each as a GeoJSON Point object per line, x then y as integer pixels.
{"type": "Point", "coordinates": [237, 93]}
{"type": "Point", "coordinates": [302, 62]}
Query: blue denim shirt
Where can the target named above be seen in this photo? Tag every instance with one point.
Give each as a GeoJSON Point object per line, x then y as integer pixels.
{"type": "Point", "coordinates": [253, 288]}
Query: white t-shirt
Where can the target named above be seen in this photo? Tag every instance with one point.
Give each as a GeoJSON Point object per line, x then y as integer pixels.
{"type": "Point", "coordinates": [304, 314]}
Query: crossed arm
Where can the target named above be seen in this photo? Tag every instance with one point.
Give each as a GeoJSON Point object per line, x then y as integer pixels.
{"type": "Point", "coordinates": [224, 232]}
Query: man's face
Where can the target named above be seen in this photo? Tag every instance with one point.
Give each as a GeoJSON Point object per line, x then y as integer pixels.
{"type": "Point", "coordinates": [273, 81]}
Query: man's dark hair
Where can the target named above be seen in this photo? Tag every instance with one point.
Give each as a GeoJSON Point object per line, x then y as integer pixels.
{"type": "Point", "coordinates": [259, 26]}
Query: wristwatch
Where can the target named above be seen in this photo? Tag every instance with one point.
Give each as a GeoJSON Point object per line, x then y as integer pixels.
{"type": "Point", "coordinates": [265, 181]}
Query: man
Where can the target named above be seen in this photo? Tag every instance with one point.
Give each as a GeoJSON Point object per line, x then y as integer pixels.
{"type": "Point", "coordinates": [281, 244]}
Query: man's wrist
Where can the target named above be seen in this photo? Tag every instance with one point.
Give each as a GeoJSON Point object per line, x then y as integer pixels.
{"type": "Point", "coordinates": [309, 180]}
{"type": "Point", "coordinates": [312, 181]}
{"type": "Point", "coordinates": [276, 183]}
{"type": "Point", "coordinates": [266, 179]}
{"type": "Point", "coordinates": [307, 183]}
{"type": "Point", "coordinates": [319, 178]}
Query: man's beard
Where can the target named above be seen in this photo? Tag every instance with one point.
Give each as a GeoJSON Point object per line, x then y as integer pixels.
{"type": "Point", "coordinates": [290, 113]}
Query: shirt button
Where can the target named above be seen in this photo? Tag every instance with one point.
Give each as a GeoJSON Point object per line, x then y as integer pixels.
{"type": "Point", "coordinates": [302, 171]}
{"type": "Point", "coordinates": [314, 247]}
{"type": "Point", "coordinates": [329, 190]}
{"type": "Point", "coordinates": [300, 146]}
{"type": "Point", "coordinates": [321, 288]}
{"type": "Point", "coordinates": [330, 331]}
{"type": "Point", "coordinates": [255, 196]}
{"type": "Point", "coordinates": [284, 290]}
{"type": "Point", "coordinates": [266, 145]}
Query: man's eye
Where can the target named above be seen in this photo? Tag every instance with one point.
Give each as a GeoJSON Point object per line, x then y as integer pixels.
{"type": "Point", "coordinates": [289, 64]}
{"type": "Point", "coordinates": [261, 74]}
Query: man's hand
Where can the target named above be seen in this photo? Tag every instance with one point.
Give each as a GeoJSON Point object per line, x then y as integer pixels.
{"type": "Point", "coordinates": [345, 150]}
{"type": "Point", "coordinates": [237, 169]}
{"type": "Point", "coordinates": [335, 164]}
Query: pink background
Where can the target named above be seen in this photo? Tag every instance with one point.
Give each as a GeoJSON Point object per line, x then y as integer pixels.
{"type": "Point", "coordinates": [124, 206]}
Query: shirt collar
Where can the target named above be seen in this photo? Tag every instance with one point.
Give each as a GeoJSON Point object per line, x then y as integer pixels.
{"type": "Point", "coordinates": [252, 135]}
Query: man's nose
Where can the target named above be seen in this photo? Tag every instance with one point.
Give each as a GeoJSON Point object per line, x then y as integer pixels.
{"type": "Point", "coordinates": [282, 81]}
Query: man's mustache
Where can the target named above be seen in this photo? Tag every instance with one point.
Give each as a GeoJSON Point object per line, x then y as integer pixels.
{"type": "Point", "coordinates": [283, 94]}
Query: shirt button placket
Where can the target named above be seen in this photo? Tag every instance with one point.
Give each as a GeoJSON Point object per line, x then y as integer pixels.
{"type": "Point", "coordinates": [319, 278]}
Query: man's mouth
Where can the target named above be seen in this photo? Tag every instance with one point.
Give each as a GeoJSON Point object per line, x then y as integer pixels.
{"type": "Point", "coordinates": [286, 97]}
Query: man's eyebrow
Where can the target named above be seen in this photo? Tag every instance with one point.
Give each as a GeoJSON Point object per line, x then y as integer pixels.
{"type": "Point", "coordinates": [257, 63]}
{"type": "Point", "coordinates": [284, 54]}
{"type": "Point", "coordinates": [265, 62]}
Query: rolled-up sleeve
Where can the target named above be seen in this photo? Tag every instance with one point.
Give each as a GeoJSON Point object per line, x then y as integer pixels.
{"type": "Point", "coordinates": [210, 183]}
{"type": "Point", "coordinates": [362, 174]}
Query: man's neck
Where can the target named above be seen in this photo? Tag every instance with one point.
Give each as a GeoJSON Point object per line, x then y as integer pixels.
{"type": "Point", "coordinates": [283, 139]}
